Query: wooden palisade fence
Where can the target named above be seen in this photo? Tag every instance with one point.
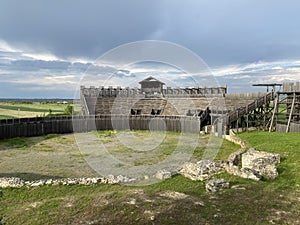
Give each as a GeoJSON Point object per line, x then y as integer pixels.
{"type": "Point", "coordinates": [28, 127]}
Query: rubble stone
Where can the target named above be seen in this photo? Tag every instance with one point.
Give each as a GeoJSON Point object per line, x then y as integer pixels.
{"type": "Point", "coordinates": [11, 182]}
{"type": "Point", "coordinates": [163, 174]}
{"type": "Point", "coordinates": [253, 157]}
{"type": "Point", "coordinates": [17, 182]}
{"type": "Point", "coordinates": [203, 169]}
{"type": "Point", "coordinates": [250, 174]}
{"type": "Point", "coordinates": [235, 157]}
{"type": "Point", "coordinates": [37, 183]}
{"type": "Point", "coordinates": [264, 163]}
{"type": "Point", "coordinates": [216, 185]}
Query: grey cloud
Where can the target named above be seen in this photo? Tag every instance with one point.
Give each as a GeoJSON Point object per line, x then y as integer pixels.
{"type": "Point", "coordinates": [77, 28]}
{"type": "Point", "coordinates": [34, 91]}
{"type": "Point", "coordinates": [123, 73]}
{"type": "Point", "coordinates": [221, 32]}
{"type": "Point", "coordinates": [38, 65]}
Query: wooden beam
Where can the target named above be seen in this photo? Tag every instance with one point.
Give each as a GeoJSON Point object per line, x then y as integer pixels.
{"type": "Point", "coordinates": [274, 110]}
{"type": "Point", "coordinates": [264, 85]}
{"type": "Point", "coordinates": [291, 113]}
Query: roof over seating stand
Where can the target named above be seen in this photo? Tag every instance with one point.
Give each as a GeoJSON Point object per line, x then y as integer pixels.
{"type": "Point", "coordinates": [151, 85]}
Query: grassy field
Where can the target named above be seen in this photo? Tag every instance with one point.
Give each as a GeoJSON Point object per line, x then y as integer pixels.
{"type": "Point", "coordinates": [174, 201]}
{"type": "Point", "coordinates": [58, 155]}
{"type": "Point", "coordinates": [33, 109]}
{"type": "Point", "coordinates": [285, 144]}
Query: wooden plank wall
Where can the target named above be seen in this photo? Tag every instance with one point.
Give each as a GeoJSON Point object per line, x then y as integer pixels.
{"type": "Point", "coordinates": [28, 127]}
{"type": "Point", "coordinates": [294, 127]}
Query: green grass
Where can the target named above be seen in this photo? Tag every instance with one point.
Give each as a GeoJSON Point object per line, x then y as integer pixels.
{"type": "Point", "coordinates": [114, 144]}
{"type": "Point", "coordinates": [34, 107]}
{"type": "Point", "coordinates": [140, 147]}
{"type": "Point", "coordinates": [17, 142]}
{"type": "Point", "coordinates": [227, 148]}
{"type": "Point", "coordinates": [264, 202]}
{"type": "Point", "coordinates": [3, 117]}
{"type": "Point", "coordinates": [223, 148]}
{"type": "Point", "coordinates": [15, 109]}
{"type": "Point", "coordinates": [285, 144]}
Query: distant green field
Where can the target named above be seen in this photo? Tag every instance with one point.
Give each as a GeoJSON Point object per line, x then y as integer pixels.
{"type": "Point", "coordinates": [34, 109]}
{"type": "Point", "coordinates": [3, 117]}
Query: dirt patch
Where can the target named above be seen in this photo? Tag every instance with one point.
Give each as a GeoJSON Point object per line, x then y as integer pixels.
{"type": "Point", "coordinates": [173, 195]}
{"type": "Point", "coordinates": [44, 158]}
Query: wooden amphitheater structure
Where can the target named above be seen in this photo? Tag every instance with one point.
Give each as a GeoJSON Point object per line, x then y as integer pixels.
{"type": "Point", "coordinates": [286, 110]}
{"type": "Point", "coordinates": [213, 106]}
{"type": "Point", "coordinates": [189, 109]}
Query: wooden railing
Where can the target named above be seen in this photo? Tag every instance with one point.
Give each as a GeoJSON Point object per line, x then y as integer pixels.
{"type": "Point", "coordinates": [236, 114]}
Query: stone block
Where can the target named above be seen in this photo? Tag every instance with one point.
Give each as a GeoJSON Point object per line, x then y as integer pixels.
{"type": "Point", "coordinates": [249, 173]}
{"type": "Point", "coordinates": [163, 174]}
{"type": "Point", "coordinates": [216, 185]}
{"type": "Point", "coordinates": [264, 163]}
{"type": "Point", "coordinates": [202, 170]}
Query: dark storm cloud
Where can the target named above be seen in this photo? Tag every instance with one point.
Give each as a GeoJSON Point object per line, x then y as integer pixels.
{"type": "Point", "coordinates": [77, 28]}
{"type": "Point", "coordinates": [47, 46]}
{"type": "Point", "coordinates": [232, 31]}
{"type": "Point", "coordinates": [222, 32]}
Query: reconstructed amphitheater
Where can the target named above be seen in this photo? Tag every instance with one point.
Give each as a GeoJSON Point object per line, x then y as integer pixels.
{"type": "Point", "coordinates": [210, 105]}
{"type": "Point", "coordinates": [152, 106]}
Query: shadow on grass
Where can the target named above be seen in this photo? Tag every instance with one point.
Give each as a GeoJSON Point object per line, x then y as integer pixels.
{"type": "Point", "coordinates": [27, 142]}
{"type": "Point", "coordinates": [18, 142]}
{"type": "Point", "coordinates": [29, 176]}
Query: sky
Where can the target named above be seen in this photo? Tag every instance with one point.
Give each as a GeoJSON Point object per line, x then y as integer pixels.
{"type": "Point", "coordinates": [49, 48]}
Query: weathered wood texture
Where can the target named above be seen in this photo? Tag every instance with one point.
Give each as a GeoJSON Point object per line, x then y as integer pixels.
{"type": "Point", "coordinates": [294, 127]}
{"type": "Point", "coordinates": [287, 109]}
{"type": "Point", "coordinates": [244, 110]}
{"type": "Point", "coordinates": [170, 105]}
{"type": "Point", "coordinates": [291, 87]}
{"type": "Point", "coordinates": [28, 127]}
{"type": "Point", "coordinates": [169, 101]}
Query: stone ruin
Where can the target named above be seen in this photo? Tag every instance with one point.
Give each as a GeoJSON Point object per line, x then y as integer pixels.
{"type": "Point", "coordinates": [251, 164]}
{"type": "Point", "coordinates": [202, 170]}
{"type": "Point", "coordinates": [259, 163]}
{"type": "Point", "coordinates": [255, 165]}
{"type": "Point", "coordinates": [216, 185]}
{"type": "Point", "coordinates": [18, 182]}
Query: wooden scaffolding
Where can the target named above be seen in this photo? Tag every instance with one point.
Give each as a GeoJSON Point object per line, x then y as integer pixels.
{"type": "Point", "coordinates": [286, 113]}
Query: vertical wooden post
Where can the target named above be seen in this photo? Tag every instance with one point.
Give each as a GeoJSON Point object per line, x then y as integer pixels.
{"type": "Point", "coordinates": [247, 117]}
{"type": "Point", "coordinates": [274, 111]}
{"type": "Point", "coordinates": [291, 113]}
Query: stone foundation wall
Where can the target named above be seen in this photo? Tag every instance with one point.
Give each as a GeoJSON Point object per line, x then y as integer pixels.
{"type": "Point", "coordinates": [233, 138]}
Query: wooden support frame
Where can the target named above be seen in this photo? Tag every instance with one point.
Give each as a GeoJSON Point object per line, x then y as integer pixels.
{"type": "Point", "coordinates": [274, 112]}
{"type": "Point", "coordinates": [287, 113]}
{"type": "Point", "coordinates": [291, 113]}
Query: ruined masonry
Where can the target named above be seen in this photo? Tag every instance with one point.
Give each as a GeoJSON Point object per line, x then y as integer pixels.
{"type": "Point", "coordinates": [254, 165]}
{"type": "Point", "coordinates": [216, 185]}
{"type": "Point", "coordinates": [261, 163]}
